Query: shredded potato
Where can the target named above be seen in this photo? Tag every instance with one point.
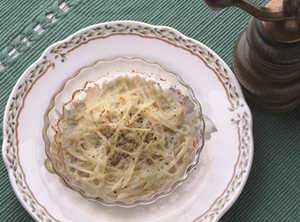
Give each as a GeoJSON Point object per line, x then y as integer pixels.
{"type": "Point", "coordinates": [125, 139]}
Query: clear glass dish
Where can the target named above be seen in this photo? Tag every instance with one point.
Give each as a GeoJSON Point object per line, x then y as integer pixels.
{"type": "Point", "coordinates": [103, 71]}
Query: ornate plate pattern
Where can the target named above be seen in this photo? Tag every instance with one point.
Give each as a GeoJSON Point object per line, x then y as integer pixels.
{"type": "Point", "coordinates": [224, 163]}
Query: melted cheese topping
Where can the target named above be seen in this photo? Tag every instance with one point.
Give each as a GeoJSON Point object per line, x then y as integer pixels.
{"type": "Point", "coordinates": [124, 140]}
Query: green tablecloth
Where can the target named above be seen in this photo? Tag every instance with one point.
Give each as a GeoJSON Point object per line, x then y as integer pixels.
{"type": "Point", "coordinates": [272, 192]}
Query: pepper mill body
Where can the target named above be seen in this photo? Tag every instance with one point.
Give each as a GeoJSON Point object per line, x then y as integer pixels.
{"type": "Point", "coordinates": [268, 68]}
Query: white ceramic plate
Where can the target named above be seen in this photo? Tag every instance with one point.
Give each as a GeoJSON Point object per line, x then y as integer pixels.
{"type": "Point", "coordinates": [225, 160]}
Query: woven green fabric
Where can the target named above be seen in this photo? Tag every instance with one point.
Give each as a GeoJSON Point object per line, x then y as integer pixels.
{"type": "Point", "coordinates": [272, 190]}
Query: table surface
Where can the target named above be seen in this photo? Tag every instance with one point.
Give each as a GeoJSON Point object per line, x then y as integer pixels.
{"type": "Point", "coordinates": [272, 190]}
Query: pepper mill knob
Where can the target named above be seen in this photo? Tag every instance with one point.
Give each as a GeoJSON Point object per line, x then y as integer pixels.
{"type": "Point", "coordinates": [266, 56]}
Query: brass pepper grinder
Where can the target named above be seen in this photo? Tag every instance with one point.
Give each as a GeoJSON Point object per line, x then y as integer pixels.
{"type": "Point", "coordinates": [266, 56]}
